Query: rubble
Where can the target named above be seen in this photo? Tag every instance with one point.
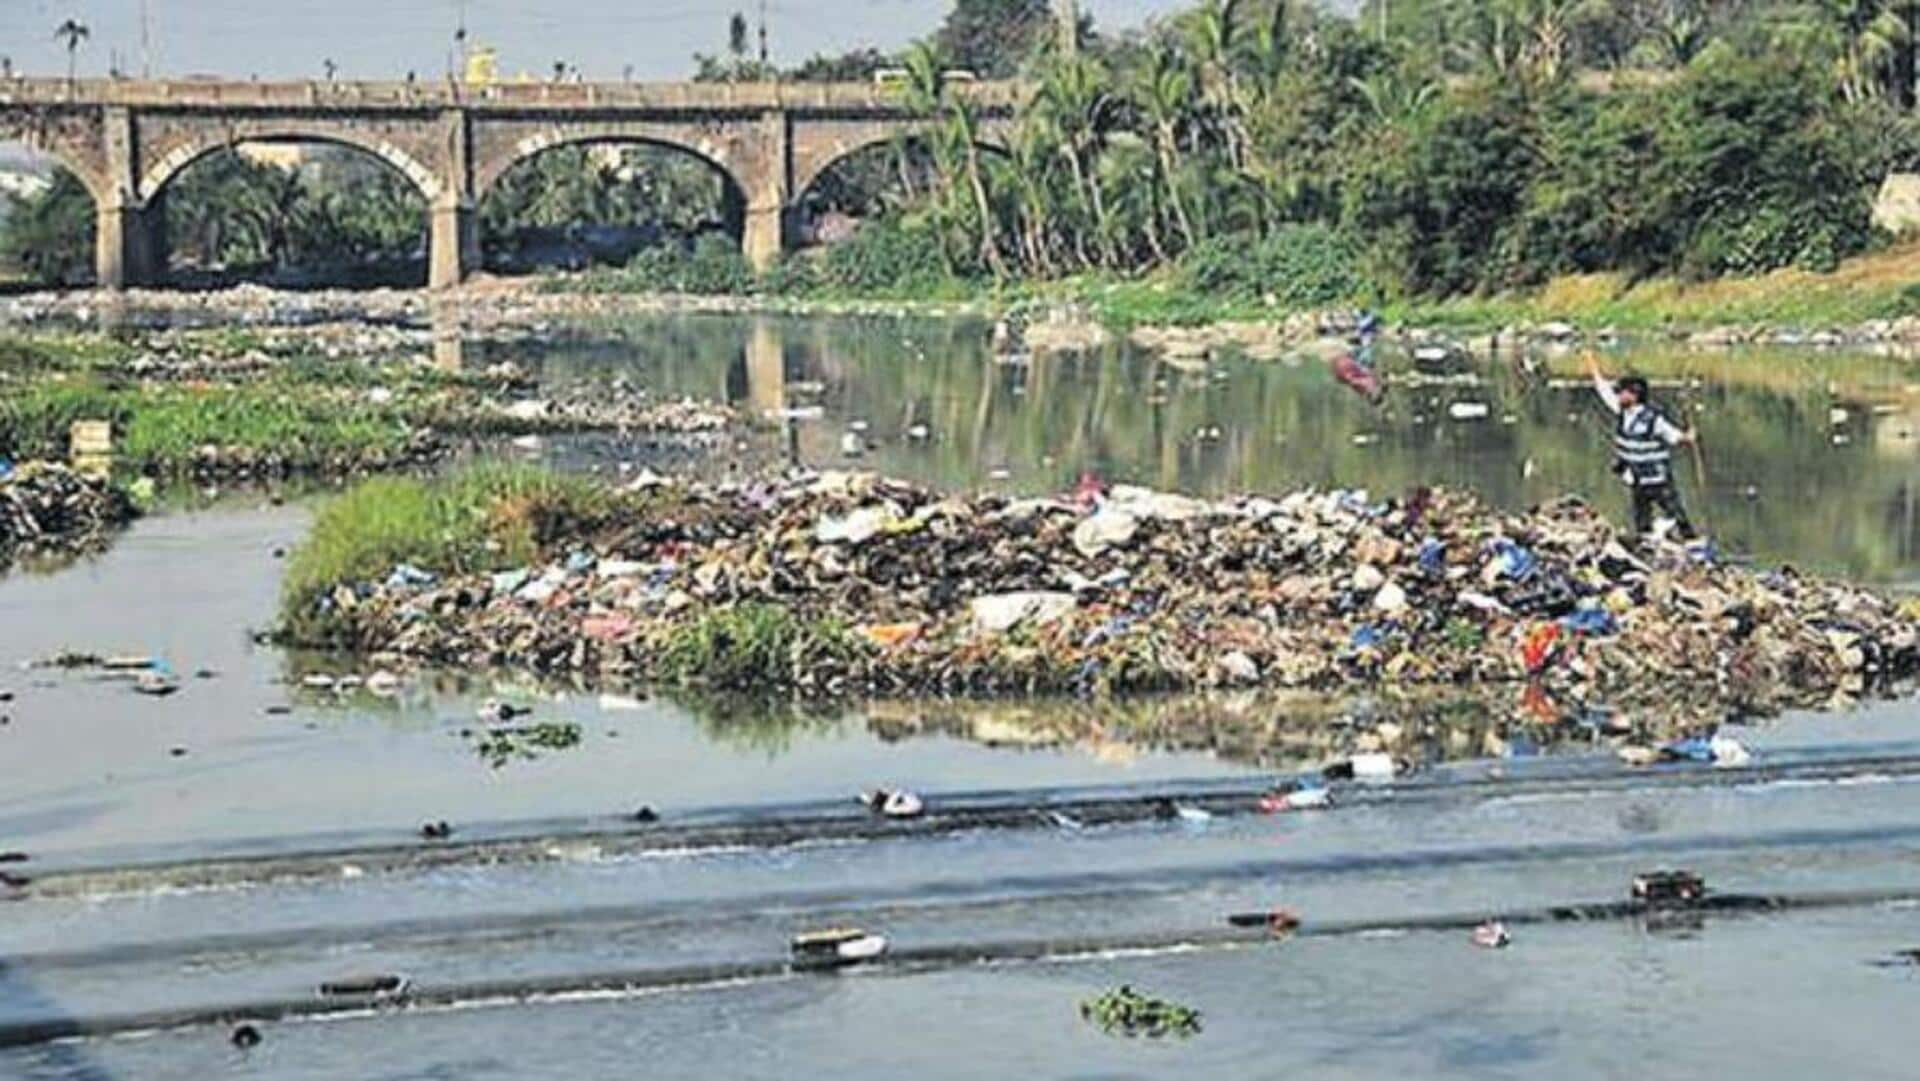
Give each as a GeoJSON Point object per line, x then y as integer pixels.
{"type": "Point", "coordinates": [836, 584]}
{"type": "Point", "coordinates": [48, 510]}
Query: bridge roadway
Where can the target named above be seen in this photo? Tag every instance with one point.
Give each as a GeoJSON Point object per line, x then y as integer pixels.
{"type": "Point", "coordinates": [126, 139]}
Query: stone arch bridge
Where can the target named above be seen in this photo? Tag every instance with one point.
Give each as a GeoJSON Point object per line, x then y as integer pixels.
{"type": "Point", "coordinates": [126, 139]}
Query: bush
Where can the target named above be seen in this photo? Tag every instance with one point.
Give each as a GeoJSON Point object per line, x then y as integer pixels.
{"type": "Point", "coordinates": [1300, 266]}
{"type": "Point", "coordinates": [886, 257]}
{"type": "Point", "coordinates": [796, 274]}
{"type": "Point", "coordinates": [713, 266]}
{"type": "Point", "coordinates": [50, 236]}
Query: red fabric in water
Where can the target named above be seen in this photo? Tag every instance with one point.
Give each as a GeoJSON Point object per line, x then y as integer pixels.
{"type": "Point", "coordinates": [1353, 374]}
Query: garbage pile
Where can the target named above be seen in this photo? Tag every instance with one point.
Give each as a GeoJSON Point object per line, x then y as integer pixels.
{"type": "Point", "coordinates": [617, 407]}
{"type": "Point", "coordinates": [47, 509]}
{"type": "Point", "coordinates": [836, 584]}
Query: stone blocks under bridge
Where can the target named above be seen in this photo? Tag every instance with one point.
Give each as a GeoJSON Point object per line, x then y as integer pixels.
{"type": "Point", "coordinates": [125, 140]}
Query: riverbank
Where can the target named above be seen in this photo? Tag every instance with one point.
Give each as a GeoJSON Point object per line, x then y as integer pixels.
{"type": "Point", "coordinates": [1872, 300]}
{"type": "Point", "coordinates": [839, 584]}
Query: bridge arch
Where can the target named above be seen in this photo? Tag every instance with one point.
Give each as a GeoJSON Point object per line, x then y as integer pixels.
{"type": "Point", "coordinates": [640, 218]}
{"type": "Point", "coordinates": [155, 177]}
{"type": "Point", "coordinates": [84, 171]}
{"type": "Point", "coordinates": [717, 152]}
{"type": "Point", "coordinates": [816, 158]}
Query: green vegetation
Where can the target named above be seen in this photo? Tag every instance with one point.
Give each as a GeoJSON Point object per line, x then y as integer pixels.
{"type": "Point", "coordinates": [338, 210]}
{"type": "Point", "coordinates": [58, 350]}
{"type": "Point", "coordinates": [48, 238]}
{"type": "Point", "coordinates": [1235, 159]}
{"type": "Point", "coordinates": [163, 428]}
{"type": "Point", "coordinates": [712, 266]}
{"type": "Point", "coordinates": [1242, 159]}
{"type": "Point", "coordinates": [480, 518]}
{"type": "Point", "coordinates": [751, 645]}
{"type": "Point", "coordinates": [1879, 285]}
{"type": "Point", "coordinates": [500, 746]}
{"type": "Point", "coordinates": [1126, 1012]}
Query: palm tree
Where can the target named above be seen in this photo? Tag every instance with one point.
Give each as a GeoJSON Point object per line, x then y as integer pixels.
{"type": "Point", "coordinates": [1166, 96]}
{"type": "Point", "coordinates": [73, 33]}
{"type": "Point", "coordinates": [1074, 102]}
{"type": "Point", "coordinates": [1394, 98]}
{"type": "Point", "coordinates": [737, 37]}
{"type": "Point", "coordinates": [1872, 35]}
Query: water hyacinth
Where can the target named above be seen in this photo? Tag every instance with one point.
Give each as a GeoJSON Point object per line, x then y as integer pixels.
{"type": "Point", "coordinates": [1124, 1011]}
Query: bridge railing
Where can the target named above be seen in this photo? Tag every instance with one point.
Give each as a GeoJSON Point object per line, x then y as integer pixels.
{"type": "Point", "coordinates": [214, 93]}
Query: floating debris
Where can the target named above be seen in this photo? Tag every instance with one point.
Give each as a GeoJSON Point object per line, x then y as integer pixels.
{"type": "Point", "coordinates": [1307, 795]}
{"type": "Point", "coordinates": [499, 746]}
{"type": "Point", "coordinates": [494, 711]}
{"type": "Point", "coordinates": [1126, 1012]}
{"type": "Point", "coordinates": [896, 803]}
{"type": "Point", "coordinates": [157, 684]}
{"type": "Point", "coordinates": [379, 986]}
{"type": "Point", "coordinates": [1668, 888]}
{"type": "Point", "coordinates": [1492, 935]}
{"type": "Point", "coordinates": [244, 1037]}
{"type": "Point", "coordinates": [836, 946]}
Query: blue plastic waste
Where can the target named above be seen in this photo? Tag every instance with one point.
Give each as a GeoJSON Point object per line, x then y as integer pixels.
{"type": "Point", "coordinates": [1368, 636]}
{"type": "Point", "coordinates": [1594, 621]}
{"type": "Point", "coordinates": [1433, 556]}
{"type": "Point", "coordinates": [1514, 561]}
{"type": "Point", "coordinates": [6, 468]}
{"type": "Point", "coordinates": [580, 562]}
{"type": "Point", "coordinates": [1695, 749]}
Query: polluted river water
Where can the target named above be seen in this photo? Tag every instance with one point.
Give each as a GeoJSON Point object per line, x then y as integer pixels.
{"type": "Point", "coordinates": [1808, 459]}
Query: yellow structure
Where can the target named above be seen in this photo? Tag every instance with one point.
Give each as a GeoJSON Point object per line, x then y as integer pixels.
{"type": "Point", "coordinates": [483, 66]}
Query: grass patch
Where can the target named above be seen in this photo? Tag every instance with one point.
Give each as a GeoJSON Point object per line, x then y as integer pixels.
{"type": "Point", "coordinates": [161, 428]}
{"type": "Point", "coordinates": [751, 645]}
{"type": "Point", "coordinates": [485, 517]}
{"type": "Point", "coordinates": [40, 351]}
{"type": "Point", "coordinates": [1880, 285]}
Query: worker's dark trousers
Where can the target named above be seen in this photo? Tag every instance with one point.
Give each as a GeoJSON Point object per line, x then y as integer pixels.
{"type": "Point", "coordinates": [1663, 497]}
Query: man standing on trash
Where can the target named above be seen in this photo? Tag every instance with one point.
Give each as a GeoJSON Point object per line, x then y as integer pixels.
{"type": "Point", "coordinates": [1643, 441]}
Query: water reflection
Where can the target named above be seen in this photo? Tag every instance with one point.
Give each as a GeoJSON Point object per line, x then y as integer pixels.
{"type": "Point", "coordinates": [1808, 458]}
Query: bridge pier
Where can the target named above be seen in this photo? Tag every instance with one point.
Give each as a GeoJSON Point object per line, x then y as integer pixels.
{"type": "Point", "coordinates": [764, 235]}
{"type": "Point", "coordinates": [127, 249]}
{"type": "Point", "coordinates": [453, 245]}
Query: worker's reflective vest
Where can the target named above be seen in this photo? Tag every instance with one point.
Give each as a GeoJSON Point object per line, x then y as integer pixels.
{"type": "Point", "coordinates": [1640, 456]}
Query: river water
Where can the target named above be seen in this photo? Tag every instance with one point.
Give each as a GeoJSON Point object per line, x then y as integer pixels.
{"type": "Point", "coordinates": [1808, 459]}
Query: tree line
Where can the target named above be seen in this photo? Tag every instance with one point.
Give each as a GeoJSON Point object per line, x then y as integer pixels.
{"type": "Point", "coordinates": [1431, 147]}
{"type": "Point", "coordinates": [1412, 148]}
